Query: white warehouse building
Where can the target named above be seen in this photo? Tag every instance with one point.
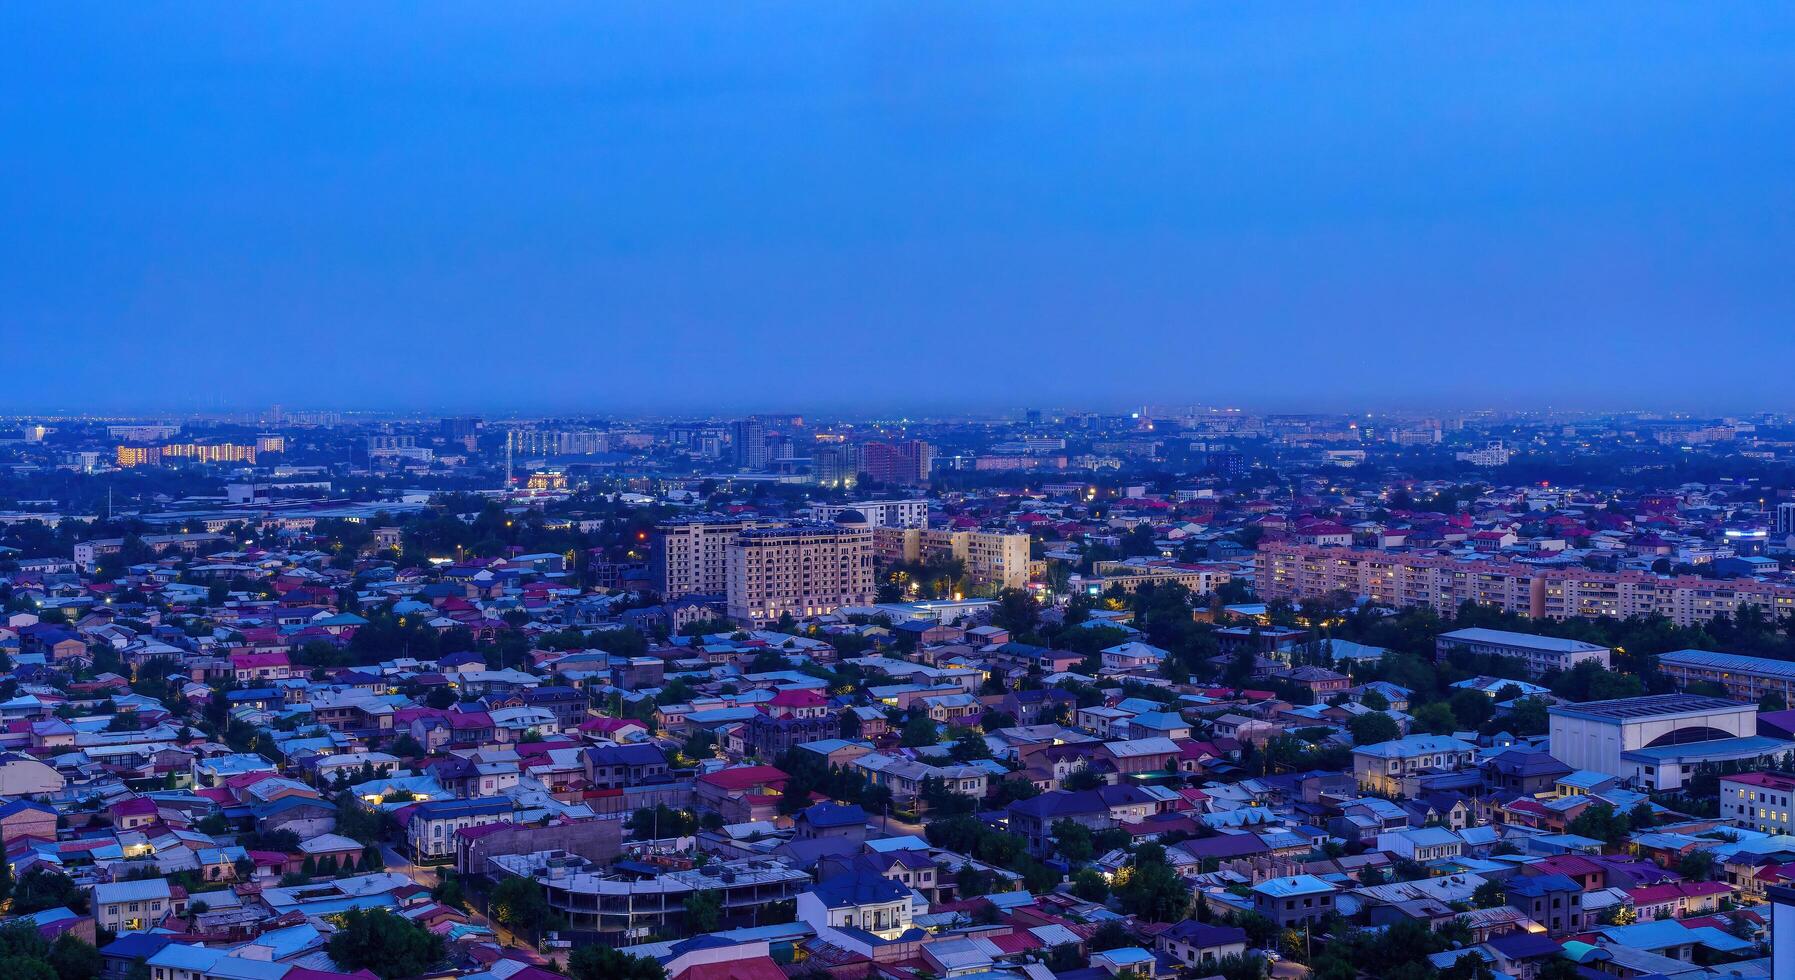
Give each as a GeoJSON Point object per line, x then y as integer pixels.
{"type": "Point", "coordinates": [1596, 735]}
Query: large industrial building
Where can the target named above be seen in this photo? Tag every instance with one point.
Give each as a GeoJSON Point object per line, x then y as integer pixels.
{"type": "Point", "coordinates": [1656, 741]}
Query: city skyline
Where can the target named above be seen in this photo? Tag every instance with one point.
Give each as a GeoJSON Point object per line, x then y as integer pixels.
{"type": "Point", "coordinates": [1286, 207]}
{"type": "Point", "coordinates": [896, 490]}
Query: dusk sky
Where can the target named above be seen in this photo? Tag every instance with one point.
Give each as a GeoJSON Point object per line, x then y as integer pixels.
{"type": "Point", "coordinates": [896, 206]}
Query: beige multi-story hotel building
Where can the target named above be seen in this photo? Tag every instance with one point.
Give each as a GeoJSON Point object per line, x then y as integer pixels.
{"type": "Point", "coordinates": [691, 554]}
{"type": "Point", "coordinates": [801, 569]}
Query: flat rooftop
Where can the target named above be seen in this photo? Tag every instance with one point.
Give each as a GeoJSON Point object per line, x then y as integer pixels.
{"type": "Point", "coordinates": [1728, 662]}
{"type": "Point", "coordinates": [1531, 641]}
{"type": "Point", "coordinates": [1649, 706]}
{"type": "Point", "coordinates": [1715, 750]}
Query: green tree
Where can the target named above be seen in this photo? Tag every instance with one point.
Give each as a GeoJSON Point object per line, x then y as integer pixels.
{"type": "Point", "coordinates": [1074, 841]}
{"type": "Point", "coordinates": [1528, 717]}
{"type": "Point", "coordinates": [594, 962]}
{"type": "Point", "coordinates": [1590, 681]}
{"type": "Point", "coordinates": [1082, 778]}
{"type": "Point", "coordinates": [919, 731]}
{"type": "Point", "coordinates": [1110, 935]}
{"type": "Point", "coordinates": [1489, 895]}
{"type": "Point", "coordinates": [1600, 822]}
{"type": "Point", "coordinates": [1011, 790]}
{"type": "Point", "coordinates": [1697, 865]}
{"type": "Point", "coordinates": [40, 889]}
{"type": "Point", "coordinates": [1471, 708]}
{"type": "Point", "coordinates": [1090, 885]}
{"type": "Point", "coordinates": [1435, 718]}
{"type": "Point", "coordinates": [1150, 889]}
{"type": "Point", "coordinates": [22, 953]}
{"type": "Point", "coordinates": [26, 968]}
{"type": "Point", "coordinates": [389, 945]}
{"type": "Point", "coordinates": [1373, 729]}
{"type": "Point", "coordinates": [73, 959]}
{"type": "Point", "coordinates": [518, 903]}
{"type": "Point", "coordinates": [1559, 968]}
{"type": "Point", "coordinates": [704, 911]}
{"type": "Point", "coordinates": [1252, 966]}
{"type": "Point", "coordinates": [448, 891]}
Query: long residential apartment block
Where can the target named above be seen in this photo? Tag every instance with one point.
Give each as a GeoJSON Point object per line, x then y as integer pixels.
{"type": "Point", "coordinates": [1539, 653]}
{"type": "Point", "coordinates": [1444, 583]}
{"type": "Point", "coordinates": [1745, 678]}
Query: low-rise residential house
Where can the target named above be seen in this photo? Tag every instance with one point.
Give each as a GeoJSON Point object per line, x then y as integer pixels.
{"type": "Point", "coordinates": [132, 906]}
{"type": "Point", "coordinates": [904, 777]}
{"type": "Point", "coordinates": [1422, 844]}
{"type": "Point", "coordinates": [1200, 946]}
{"type": "Point", "coordinates": [618, 766]}
{"type": "Point", "coordinates": [430, 827]}
{"type": "Point", "coordinates": [1293, 900]}
{"type": "Point", "coordinates": [1554, 901]}
{"type": "Point", "coordinates": [1392, 767]}
{"type": "Point", "coordinates": [741, 793]}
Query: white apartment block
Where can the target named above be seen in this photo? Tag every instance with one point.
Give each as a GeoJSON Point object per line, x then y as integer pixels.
{"type": "Point", "coordinates": [1758, 801]}
{"type": "Point", "coordinates": [879, 513]}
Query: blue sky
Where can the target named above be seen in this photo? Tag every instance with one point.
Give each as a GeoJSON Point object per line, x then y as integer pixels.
{"type": "Point", "coordinates": [896, 206]}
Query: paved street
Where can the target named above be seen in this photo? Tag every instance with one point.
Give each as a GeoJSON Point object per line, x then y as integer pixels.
{"type": "Point", "coordinates": [429, 878]}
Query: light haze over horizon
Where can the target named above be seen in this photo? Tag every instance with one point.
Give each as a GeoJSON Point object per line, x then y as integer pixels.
{"type": "Point", "coordinates": [891, 207]}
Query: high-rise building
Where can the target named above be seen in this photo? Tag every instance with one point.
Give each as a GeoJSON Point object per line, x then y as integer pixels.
{"type": "Point", "coordinates": [994, 558]}
{"type": "Point", "coordinates": [749, 444]}
{"type": "Point", "coordinates": [1785, 519]}
{"type": "Point", "coordinates": [801, 569]}
{"type": "Point", "coordinates": [560, 442]}
{"type": "Point", "coordinates": [459, 429]}
{"type": "Point", "coordinates": [835, 466]}
{"type": "Point", "coordinates": [690, 554]}
{"type": "Point", "coordinates": [906, 463]}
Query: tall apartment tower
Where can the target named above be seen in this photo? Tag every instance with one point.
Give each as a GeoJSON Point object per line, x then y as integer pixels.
{"type": "Point", "coordinates": [906, 463]}
{"type": "Point", "coordinates": [801, 569]}
{"type": "Point", "coordinates": [835, 465]}
{"type": "Point", "coordinates": [689, 554]}
{"type": "Point", "coordinates": [1785, 519]}
{"type": "Point", "coordinates": [749, 444]}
